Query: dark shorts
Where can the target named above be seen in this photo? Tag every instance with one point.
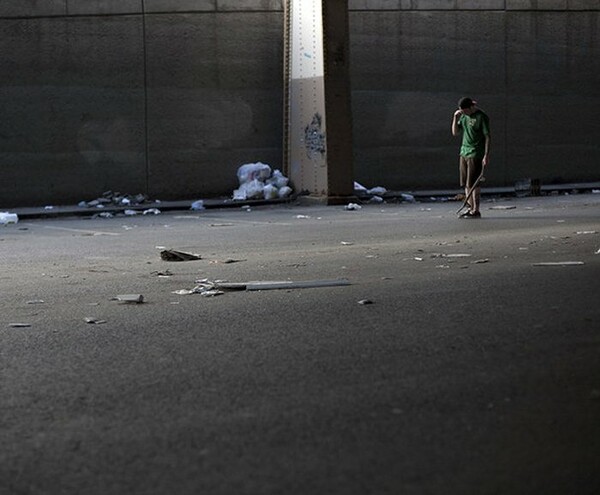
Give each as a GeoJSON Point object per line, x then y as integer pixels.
{"type": "Point", "coordinates": [470, 170]}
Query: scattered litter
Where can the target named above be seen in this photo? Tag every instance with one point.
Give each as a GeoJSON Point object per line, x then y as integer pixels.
{"type": "Point", "coordinates": [457, 255]}
{"type": "Point", "coordinates": [559, 263]}
{"type": "Point", "coordinates": [503, 207]}
{"type": "Point", "coordinates": [376, 199]}
{"type": "Point", "coordinates": [162, 274]}
{"type": "Point", "coordinates": [418, 259]}
{"type": "Point", "coordinates": [130, 213]}
{"type": "Point", "coordinates": [584, 232]}
{"type": "Point", "coordinates": [221, 225]}
{"type": "Point", "coordinates": [365, 302]}
{"type": "Point", "coordinates": [48, 207]}
{"type": "Point", "coordinates": [226, 261]}
{"type": "Point", "coordinates": [408, 198]}
{"type": "Point", "coordinates": [6, 218]}
{"type": "Point", "coordinates": [151, 211]}
{"type": "Point", "coordinates": [302, 216]}
{"type": "Point", "coordinates": [198, 205]}
{"type": "Point", "coordinates": [359, 187]}
{"type": "Point", "coordinates": [104, 214]}
{"type": "Point", "coordinates": [352, 207]}
{"type": "Point", "coordinates": [346, 243]}
{"type": "Point", "coordinates": [476, 262]}
{"type": "Point", "coordinates": [116, 199]}
{"type": "Point", "coordinates": [19, 325]}
{"type": "Point", "coordinates": [173, 255]}
{"type": "Point", "coordinates": [280, 284]}
{"type": "Point", "coordinates": [442, 266]}
{"type": "Point", "coordinates": [93, 321]}
{"type": "Point", "coordinates": [129, 298]}
{"type": "Point", "coordinates": [35, 301]}
{"type": "Point", "coordinates": [183, 292]}
{"type": "Point", "coordinates": [595, 191]}
{"type": "Point", "coordinates": [597, 252]}
{"type": "Point", "coordinates": [377, 191]}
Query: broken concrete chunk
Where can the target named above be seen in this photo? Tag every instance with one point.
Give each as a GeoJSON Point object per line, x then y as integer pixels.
{"type": "Point", "coordinates": [174, 255]}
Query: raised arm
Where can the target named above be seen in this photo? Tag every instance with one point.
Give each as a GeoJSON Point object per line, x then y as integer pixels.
{"type": "Point", "coordinates": [455, 126]}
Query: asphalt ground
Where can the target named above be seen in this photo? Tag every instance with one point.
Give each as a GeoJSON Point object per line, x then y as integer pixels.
{"type": "Point", "coordinates": [473, 371]}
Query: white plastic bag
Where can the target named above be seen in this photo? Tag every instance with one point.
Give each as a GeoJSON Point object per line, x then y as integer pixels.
{"type": "Point", "coordinates": [285, 191]}
{"type": "Point", "coordinates": [252, 171]}
{"type": "Point", "coordinates": [6, 218]}
{"type": "Point", "coordinates": [270, 192]}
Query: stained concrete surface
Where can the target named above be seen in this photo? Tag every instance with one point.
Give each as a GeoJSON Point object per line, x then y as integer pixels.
{"type": "Point", "coordinates": [469, 374]}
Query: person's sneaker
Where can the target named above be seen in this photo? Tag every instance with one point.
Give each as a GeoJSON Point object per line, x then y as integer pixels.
{"type": "Point", "coordinates": [465, 215]}
{"type": "Point", "coordinates": [473, 214]}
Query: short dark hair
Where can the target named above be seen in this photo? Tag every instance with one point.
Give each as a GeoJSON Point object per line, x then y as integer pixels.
{"type": "Point", "coordinates": [465, 102]}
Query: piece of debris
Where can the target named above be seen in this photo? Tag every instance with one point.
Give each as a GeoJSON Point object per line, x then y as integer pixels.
{"type": "Point", "coordinates": [221, 225]}
{"type": "Point", "coordinates": [104, 214]}
{"type": "Point", "coordinates": [163, 274]}
{"type": "Point", "coordinates": [365, 302]}
{"type": "Point", "coordinates": [174, 255]}
{"type": "Point", "coordinates": [503, 207]}
{"type": "Point", "coordinates": [352, 207]}
{"type": "Point", "coordinates": [408, 198]}
{"type": "Point", "coordinates": [280, 284]}
{"type": "Point", "coordinates": [19, 325]}
{"type": "Point", "coordinates": [130, 213]}
{"type": "Point", "coordinates": [457, 255]}
{"type": "Point", "coordinates": [35, 301]}
{"type": "Point", "coordinates": [151, 211]}
{"type": "Point", "coordinates": [559, 263]}
{"type": "Point", "coordinates": [94, 321]}
{"type": "Point", "coordinates": [302, 216]}
{"type": "Point", "coordinates": [226, 261]}
{"type": "Point", "coordinates": [484, 260]}
{"type": "Point", "coordinates": [198, 205]}
{"type": "Point", "coordinates": [584, 232]}
{"type": "Point", "coordinates": [129, 298]}
{"type": "Point", "coordinates": [6, 218]}
{"type": "Point", "coordinates": [346, 243]}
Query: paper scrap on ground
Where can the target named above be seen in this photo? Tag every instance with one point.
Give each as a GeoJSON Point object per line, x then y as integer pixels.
{"type": "Point", "coordinates": [559, 263]}
{"type": "Point", "coordinates": [19, 325]}
{"type": "Point", "coordinates": [174, 255]}
{"type": "Point", "coordinates": [281, 284]}
{"type": "Point", "coordinates": [94, 321]}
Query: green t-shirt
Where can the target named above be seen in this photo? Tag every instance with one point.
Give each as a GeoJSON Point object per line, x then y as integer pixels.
{"type": "Point", "coordinates": [475, 128]}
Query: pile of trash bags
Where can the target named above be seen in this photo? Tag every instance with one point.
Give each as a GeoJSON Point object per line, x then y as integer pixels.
{"type": "Point", "coordinates": [258, 181]}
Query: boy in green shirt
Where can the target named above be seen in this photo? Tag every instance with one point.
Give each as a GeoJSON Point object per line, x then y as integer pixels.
{"type": "Point", "coordinates": [474, 124]}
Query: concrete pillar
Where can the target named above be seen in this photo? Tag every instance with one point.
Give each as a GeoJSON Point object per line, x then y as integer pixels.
{"type": "Point", "coordinates": [318, 118]}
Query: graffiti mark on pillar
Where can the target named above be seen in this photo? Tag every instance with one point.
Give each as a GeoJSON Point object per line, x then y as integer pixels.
{"type": "Point", "coordinates": [314, 138]}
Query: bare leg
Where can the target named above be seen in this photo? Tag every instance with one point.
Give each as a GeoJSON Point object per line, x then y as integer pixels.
{"type": "Point", "coordinates": [469, 198]}
{"type": "Point", "coordinates": [476, 199]}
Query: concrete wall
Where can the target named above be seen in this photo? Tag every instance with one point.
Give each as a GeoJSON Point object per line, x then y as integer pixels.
{"type": "Point", "coordinates": [169, 97]}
